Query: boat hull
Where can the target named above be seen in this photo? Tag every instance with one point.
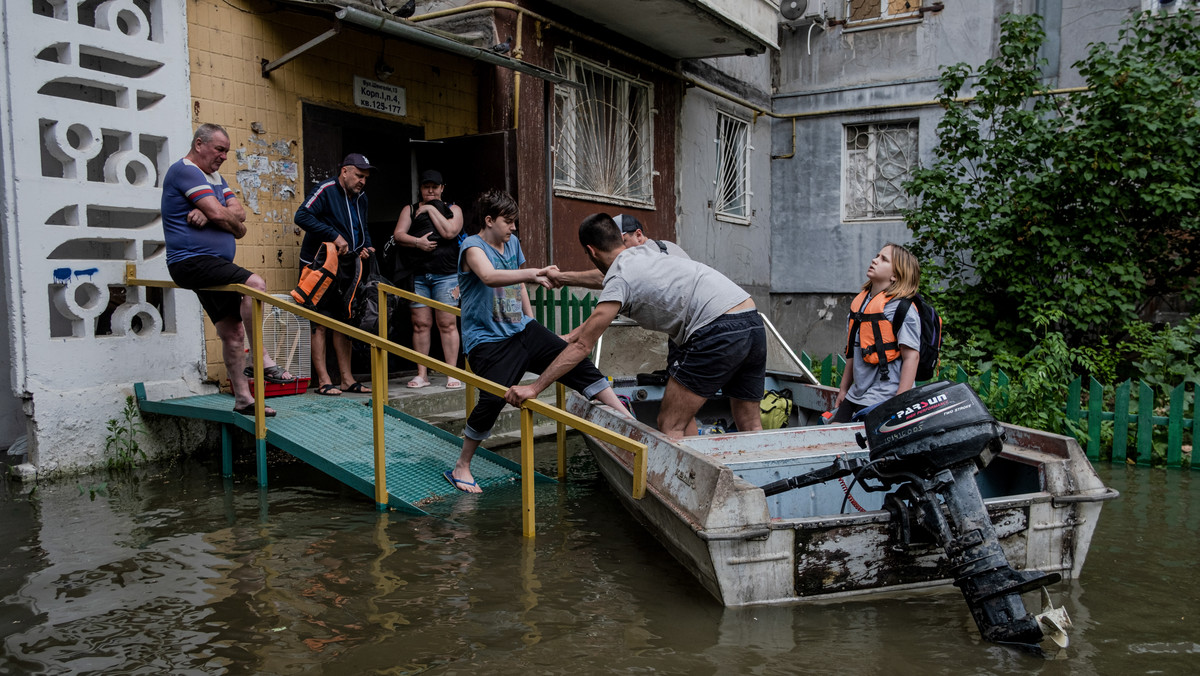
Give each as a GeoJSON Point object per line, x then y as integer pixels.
{"type": "Point", "coordinates": [703, 502]}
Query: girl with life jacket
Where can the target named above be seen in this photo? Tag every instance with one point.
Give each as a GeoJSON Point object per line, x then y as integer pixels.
{"type": "Point", "coordinates": [881, 358]}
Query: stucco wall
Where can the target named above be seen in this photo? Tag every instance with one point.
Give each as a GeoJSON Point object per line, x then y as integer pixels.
{"type": "Point", "coordinates": [884, 74]}
{"type": "Point", "coordinates": [739, 250]}
{"type": "Point", "coordinates": [1086, 22]}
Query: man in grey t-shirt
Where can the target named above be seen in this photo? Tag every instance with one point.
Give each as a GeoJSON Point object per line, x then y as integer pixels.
{"type": "Point", "coordinates": [717, 339]}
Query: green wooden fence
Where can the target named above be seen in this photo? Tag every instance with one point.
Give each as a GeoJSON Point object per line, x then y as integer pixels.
{"type": "Point", "coordinates": [1134, 414]}
{"type": "Point", "coordinates": [559, 310]}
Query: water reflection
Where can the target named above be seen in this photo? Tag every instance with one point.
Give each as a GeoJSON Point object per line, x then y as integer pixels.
{"type": "Point", "coordinates": [186, 573]}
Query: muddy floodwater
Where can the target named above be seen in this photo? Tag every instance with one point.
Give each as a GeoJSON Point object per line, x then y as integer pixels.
{"type": "Point", "coordinates": [178, 571]}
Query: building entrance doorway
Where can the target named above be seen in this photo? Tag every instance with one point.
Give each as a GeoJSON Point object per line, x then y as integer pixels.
{"type": "Point", "coordinates": [469, 165]}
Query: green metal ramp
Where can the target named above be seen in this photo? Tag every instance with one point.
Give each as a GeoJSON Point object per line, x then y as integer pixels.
{"type": "Point", "coordinates": [335, 435]}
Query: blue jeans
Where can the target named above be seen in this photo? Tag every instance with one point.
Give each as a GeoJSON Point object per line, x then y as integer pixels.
{"type": "Point", "coordinates": [437, 287]}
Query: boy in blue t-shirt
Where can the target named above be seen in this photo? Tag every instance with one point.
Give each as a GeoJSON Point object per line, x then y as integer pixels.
{"type": "Point", "coordinates": [500, 337]}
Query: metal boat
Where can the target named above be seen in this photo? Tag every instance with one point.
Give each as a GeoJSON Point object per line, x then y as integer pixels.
{"type": "Point", "coordinates": [828, 539]}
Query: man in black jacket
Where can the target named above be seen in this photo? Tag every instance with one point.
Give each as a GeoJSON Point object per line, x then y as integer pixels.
{"type": "Point", "coordinates": [336, 211]}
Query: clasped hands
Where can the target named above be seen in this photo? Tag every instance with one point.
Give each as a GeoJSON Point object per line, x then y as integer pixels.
{"type": "Point", "coordinates": [550, 277]}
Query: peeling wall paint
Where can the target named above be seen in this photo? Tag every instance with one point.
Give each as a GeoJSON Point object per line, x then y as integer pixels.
{"type": "Point", "coordinates": [267, 171]}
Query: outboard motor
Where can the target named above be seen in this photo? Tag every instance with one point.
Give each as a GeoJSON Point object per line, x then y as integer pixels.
{"type": "Point", "coordinates": [931, 441]}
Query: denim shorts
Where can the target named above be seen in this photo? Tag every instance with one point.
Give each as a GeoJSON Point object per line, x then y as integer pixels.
{"type": "Point", "coordinates": [437, 287]}
{"type": "Point", "coordinates": [729, 354]}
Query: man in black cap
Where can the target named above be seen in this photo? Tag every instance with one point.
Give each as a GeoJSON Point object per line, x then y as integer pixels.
{"type": "Point", "coordinates": [336, 211]}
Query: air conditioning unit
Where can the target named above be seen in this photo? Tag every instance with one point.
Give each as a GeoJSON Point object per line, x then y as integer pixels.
{"type": "Point", "coordinates": [802, 11]}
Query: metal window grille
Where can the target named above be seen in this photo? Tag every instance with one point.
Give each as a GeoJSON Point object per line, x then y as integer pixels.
{"type": "Point", "coordinates": [603, 134]}
{"type": "Point", "coordinates": [880, 10]}
{"type": "Point", "coordinates": [879, 159]}
{"type": "Point", "coordinates": [733, 161]}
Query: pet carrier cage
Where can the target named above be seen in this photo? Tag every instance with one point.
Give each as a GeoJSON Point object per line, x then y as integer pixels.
{"type": "Point", "coordinates": [286, 338]}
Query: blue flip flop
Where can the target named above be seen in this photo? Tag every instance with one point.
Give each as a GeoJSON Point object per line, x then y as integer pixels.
{"type": "Point", "coordinates": [455, 482]}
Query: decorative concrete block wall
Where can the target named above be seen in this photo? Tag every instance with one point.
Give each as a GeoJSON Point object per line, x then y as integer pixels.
{"type": "Point", "coordinates": [95, 110]}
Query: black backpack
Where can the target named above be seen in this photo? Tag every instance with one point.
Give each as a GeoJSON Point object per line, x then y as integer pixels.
{"type": "Point", "coordinates": [931, 334]}
{"type": "Point", "coordinates": [365, 303]}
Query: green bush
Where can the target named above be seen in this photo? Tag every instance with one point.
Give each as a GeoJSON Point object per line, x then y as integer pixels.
{"type": "Point", "coordinates": [1083, 208]}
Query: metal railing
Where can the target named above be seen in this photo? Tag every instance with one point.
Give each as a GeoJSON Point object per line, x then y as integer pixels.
{"type": "Point", "coordinates": [380, 347]}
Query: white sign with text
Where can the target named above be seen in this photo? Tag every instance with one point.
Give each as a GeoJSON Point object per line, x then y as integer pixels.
{"type": "Point", "coordinates": [379, 96]}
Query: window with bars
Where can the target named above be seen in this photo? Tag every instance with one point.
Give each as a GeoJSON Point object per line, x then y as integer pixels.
{"type": "Point", "coordinates": [879, 159]}
{"type": "Point", "coordinates": [733, 163]}
{"type": "Point", "coordinates": [865, 11]}
{"type": "Point", "coordinates": [603, 146]}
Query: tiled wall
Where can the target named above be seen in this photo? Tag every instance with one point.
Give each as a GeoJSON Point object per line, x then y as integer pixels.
{"type": "Point", "coordinates": [226, 46]}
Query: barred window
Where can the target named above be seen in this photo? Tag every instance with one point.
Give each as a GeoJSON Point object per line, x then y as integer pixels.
{"type": "Point", "coordinates": [733, 162]}
{"type": "Point", "coordinates": [864, 11]}
{"type": "Point", "coordinates": [879, 159]}
{"type": "Point", "coordinates": [603, 147]}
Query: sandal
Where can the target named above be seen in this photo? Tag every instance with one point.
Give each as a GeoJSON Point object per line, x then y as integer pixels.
{"type": "Point", "coordinates": [453, 384]}
{"type": "Point", "coordinates": [356, 388]}
{"type": "Point", "coordinates": [272, 374]}
{"type": "Point", "coordinates": [248, 409]}
{"type": "Point", "coordinates": [329, 390]}
{"type": "Point", "coordinates": [418, 382]}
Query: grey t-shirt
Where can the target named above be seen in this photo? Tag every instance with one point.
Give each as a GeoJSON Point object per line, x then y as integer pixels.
{"type": "Point", "coordinates": [867, 388]}
{"type": "Point", "coordinates": [672, 248]}
{"type": "Point", "coordinates": [670, 294]}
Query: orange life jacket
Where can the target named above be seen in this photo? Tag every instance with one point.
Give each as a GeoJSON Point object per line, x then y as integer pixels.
{"type": "Point", "coordinates": [315, 279]}
{"type": "Point", "coordinates": [876, 336]}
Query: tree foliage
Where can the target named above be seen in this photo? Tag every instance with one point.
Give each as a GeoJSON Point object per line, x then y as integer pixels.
{"type": "Point", "coordinates": [1080, 207]}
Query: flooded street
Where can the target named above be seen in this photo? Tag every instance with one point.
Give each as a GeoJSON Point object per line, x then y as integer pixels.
{"type": "Point", "coordinates": [182, 572]}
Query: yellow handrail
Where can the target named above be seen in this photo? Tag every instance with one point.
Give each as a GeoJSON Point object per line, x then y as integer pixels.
{"type": "Point", "coordinates": [380, 346]}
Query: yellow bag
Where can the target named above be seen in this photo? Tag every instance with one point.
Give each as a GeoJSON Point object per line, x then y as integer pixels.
{"type": "Point", "coordinates": [775, 409]}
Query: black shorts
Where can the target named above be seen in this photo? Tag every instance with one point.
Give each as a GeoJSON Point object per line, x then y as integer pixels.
{"type": "Point", "coordinates": [201, 272]}
{"type": "Point", "coordinates": [505, 361]}
{"type": "Point", "coordinates": [729, 354]}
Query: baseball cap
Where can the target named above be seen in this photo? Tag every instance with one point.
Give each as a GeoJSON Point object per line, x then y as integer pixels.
{"type": "Point", "coordinates": [432, 176]}
{"type": "Point", "coordinates": [357, 160]}
{"type": "Point", "coordinates": [628, 223]}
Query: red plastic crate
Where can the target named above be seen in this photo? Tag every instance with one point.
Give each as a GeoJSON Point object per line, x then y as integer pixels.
{"type": "Point", "coordinates": [282, 389]}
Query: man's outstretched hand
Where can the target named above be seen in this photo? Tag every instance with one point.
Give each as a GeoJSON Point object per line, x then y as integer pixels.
{"type": "Point", "coordinates": [556, 277]}
{"type": "Point", "coordinates": [543, 278]}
